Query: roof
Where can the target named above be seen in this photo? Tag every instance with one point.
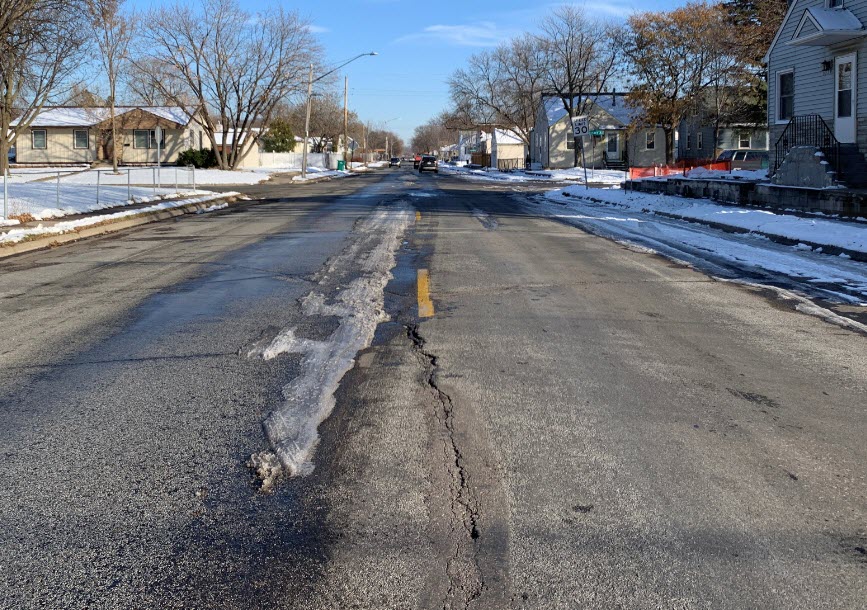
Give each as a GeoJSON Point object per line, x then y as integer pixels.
{"type": "Point", "coordinates": [825, 27]}
{"type": "Point", "coordinates": [507, 136]}
{"type": "Point", "coordinates": [612, 103]}
{"type": "Point", "coordinates": [87, 117]}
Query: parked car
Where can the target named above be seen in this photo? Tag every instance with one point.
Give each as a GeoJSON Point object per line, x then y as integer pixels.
{"type": "Point", "coordinates": [415, 161]}
{"type": "Point", "coordinates": [394, 162]}
{"type": "Point", "coordinates": [428, 163]}
{"type": "Point", "coordinates": [750, 159]}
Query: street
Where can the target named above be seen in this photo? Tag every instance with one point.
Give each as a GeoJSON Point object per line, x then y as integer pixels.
{"type": "Point", "coordinates": [457, 400]}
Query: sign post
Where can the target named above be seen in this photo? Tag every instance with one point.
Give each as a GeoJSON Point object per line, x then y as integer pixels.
{"type": "Point", "coordinates": [580, 129]}
{"type": "Point", "coordinates": [158, 134]}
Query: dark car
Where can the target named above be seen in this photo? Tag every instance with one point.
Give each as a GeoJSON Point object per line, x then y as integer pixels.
{"type": "Point", "coordinates": [394, 162]}
{"type": "Point", "coordinates": [428, 164]}
{"type": "Point", "coordinates": [745, 158]}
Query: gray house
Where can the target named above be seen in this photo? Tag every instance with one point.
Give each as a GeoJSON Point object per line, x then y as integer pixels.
{"type": "Point", "coordinates": [817, 94]}
{"type": "Point", "coordinates": [616, 143]}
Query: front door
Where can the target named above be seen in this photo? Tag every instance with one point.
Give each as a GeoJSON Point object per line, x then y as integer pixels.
{"type": "Point", "coordinates": [613, 146]}
{"type": "Point", "coordinates": [844, 103]}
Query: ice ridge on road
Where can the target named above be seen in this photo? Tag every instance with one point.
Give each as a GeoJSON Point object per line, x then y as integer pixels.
{"type": "Point", "coordinates": [292, 427]}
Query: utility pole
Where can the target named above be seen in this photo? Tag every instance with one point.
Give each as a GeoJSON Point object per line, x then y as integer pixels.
{"type": "Point", "coordinates": [307, 124]}
{"type": "Point", "coordinates": [345, 120]}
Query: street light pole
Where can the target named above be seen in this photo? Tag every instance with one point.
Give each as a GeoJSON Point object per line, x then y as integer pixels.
{"type": "Point", "coordinates": [307, 124]}
{"type": "Point", "coordinates": [310, 81]}
{"type": "Point", "coordinates": [346, 122]}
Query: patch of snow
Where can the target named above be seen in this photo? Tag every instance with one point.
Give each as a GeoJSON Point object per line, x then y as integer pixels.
{"type": "Point", "coordinates": [292, 428]}
{"type": "Point", "coordinates": [17, 235]}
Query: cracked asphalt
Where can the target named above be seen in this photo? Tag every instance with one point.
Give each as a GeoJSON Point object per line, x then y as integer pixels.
{"type": "Point", "coordinates": [577, 425]}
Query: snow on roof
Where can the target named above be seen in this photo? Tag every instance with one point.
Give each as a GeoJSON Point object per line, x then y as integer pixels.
{"type": "Point", "coordinates": [835, 19]}
{"type": "Point", "coordinates": [507, 136]}
{"type": "Point", "coordinates": [86, 117]}
{"type": "Point", "coordinates": [613, 104]}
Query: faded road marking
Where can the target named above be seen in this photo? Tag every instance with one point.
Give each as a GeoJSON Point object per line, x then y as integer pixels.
{"type": "Point", "coordinates": [425, 305]}
{"type": "Point", "coordinates": [417, 216]}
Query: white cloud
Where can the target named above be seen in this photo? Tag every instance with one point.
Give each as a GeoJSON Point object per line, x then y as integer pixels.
{"type": "Point", "coordinates": [482, 34]}
{"type": "Point", "coordinates": [317, 29]}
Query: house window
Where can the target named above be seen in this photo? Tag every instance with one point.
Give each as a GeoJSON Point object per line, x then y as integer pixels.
{"type": "Point", "coordinates": [145, 138]}
{"type": "Point", "coordinates": [699, 140]}
{"type": "Point", "coordinates": [612, 143]}
{"type": "Point", "coordinates": [152, 139]}
{"type": "Point", "coordinates": [688, 142]}
{"type": "Point", "coordinates": [140, 138]}
{"type": "Point", "coordinates": [39, 138]}
{"type": "Point", "coordinates": [650, 140]}
{"type": "Point", "coordinates": [785, 95]}
{"type": "Point", "coordinates": [835, 3]}
{"type": "Point", "coordinates": [744, 139]}
{"type": "Point", "coordinates": [80, 139]}
{"type": "Point", "coordinates": [570, 140]}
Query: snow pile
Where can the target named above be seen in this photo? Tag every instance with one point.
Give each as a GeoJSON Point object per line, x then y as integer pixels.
{"type": "Point", "coordinates": [701, 173]}
{"type": "Point", "coordinates": [292, 428]}
{"type": "Point", "coordinates": [315, 173]}
{"type": "Point", "coordinates": [633, 219]}
{"type": "Point", "coordinates": [17, 235]}
{"type": "Point", "coordinates": [828, 232]}
{"type": "Point", "coordinates": [575, 174]}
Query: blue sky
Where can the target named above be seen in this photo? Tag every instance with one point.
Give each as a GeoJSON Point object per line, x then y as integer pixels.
{"type": "Point", "coordinates": [419, 44]}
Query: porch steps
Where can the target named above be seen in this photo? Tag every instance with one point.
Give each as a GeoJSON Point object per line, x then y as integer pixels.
{"type": "Point", "coordinates": [852, 166]}
{"type": "Point", "coordinates": [619, 164]}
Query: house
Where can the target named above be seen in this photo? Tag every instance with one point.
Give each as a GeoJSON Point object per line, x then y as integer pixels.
{"type": "Point", "coordinates": [699, 138]}
{"type": "Point", "coordinates": [74, 135]}
{"type": "Point", "coordinates": [817, 94]}
{"type": "Point", "coordinates": [615, 143]}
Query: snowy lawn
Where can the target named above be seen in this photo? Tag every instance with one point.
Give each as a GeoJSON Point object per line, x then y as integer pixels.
{"type": "Point", "coordinates": [848, 235]}
{"type": "Point", "coordinates": [599, 176]}
{"type": "Point", "coordinates": [58, 228]}
{"type": "Point", "coordinates": [41, 200]}
{"type": "Point", "coordinates": [700, 173]}
{"type": "Point", "coordinates": [315, 173]}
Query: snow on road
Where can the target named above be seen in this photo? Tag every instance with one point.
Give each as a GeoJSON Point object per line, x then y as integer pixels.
{"type": "Point", "coordinates": [292, 427]}
{"type": "Point", "coordinates": [622, 216]}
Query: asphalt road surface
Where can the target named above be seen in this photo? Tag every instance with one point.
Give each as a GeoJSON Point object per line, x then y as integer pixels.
{"type": "Point", "coordinates": [544, 419]}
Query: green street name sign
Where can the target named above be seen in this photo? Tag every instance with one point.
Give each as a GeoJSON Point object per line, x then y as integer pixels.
{"type": "Point", "coordinates": [597, 132]}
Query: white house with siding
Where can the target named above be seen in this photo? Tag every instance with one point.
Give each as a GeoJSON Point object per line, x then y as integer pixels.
{"type": "Point", "coordinates": [817, 91]}
{"type": "Point", "coordinates": [617, 144]}
{"type": "Point", "coordinates": [75, 135]}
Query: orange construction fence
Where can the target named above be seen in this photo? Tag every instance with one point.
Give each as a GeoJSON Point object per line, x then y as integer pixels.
{"type": "Point", "coordinates": [680, 168]}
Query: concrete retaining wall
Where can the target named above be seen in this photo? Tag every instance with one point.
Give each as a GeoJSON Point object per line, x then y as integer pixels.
{"type": "Point", "coordinates": [828, 201]}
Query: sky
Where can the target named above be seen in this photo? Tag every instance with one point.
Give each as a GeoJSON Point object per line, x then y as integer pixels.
{"type": "Point", "coordinates": [419, 44]}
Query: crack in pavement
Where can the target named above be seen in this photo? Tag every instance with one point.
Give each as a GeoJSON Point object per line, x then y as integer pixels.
{"type": "Point", "coordinates": [466, 583]}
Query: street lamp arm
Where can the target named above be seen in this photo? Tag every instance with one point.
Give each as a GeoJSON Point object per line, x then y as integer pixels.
{"type": "Point", "coordinates": [333, 70]}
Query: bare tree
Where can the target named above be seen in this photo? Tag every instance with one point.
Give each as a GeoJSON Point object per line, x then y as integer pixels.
{"type": "Point", "coordinates": [580, 59]}
{"type": "Point", "coordinates": [41, 47]}
{"type": "Point", "coordinates": [501, 87]}
{"type": "Point", "coordinates": [432, 136]}
{"type": "Point", "coordinates": [675, 57]}
{"type": "Point", "coordinates": [114, 32]}
{"type": "Point", "coordinates": [326, 119]}
{"type": "Point", "coordinates": [236, 67]}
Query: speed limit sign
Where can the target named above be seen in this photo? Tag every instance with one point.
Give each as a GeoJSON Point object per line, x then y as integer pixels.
{"type": "Point", "coordinates": [581, 126]}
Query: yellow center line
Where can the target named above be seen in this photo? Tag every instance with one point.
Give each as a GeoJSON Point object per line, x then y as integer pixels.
{"type": "Point", "coordinates": [417, 216]}
{"type": "Point", "coordinates": [425, 305]}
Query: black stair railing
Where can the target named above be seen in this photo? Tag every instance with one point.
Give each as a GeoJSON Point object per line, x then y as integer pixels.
{"type": "Point", "coordinates": [808, 130]}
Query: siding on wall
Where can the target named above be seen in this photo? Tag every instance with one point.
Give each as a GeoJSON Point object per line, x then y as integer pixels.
{"type": "Point", "coordinates": [814, 89]}
{"type": "Point", "coordinates": [60, 147]}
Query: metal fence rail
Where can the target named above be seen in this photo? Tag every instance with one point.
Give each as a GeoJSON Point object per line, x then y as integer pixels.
{"type": "Point", "coordinates": [807, 130]}
{"type": "Point", "coordinates": [162, 179]}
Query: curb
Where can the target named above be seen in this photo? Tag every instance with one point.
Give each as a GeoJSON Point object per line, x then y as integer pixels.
{"type": "Point", "coordinates": [112, 226]}
{"type": "Point", "coordinates": [855, 255]}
